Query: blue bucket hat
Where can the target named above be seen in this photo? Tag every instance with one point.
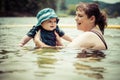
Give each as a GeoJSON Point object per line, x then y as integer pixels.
{"type": "Point", "coordinates": [46, 14]}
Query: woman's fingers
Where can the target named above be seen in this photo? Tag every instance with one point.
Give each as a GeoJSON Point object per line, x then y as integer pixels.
{"type": "Point", "coordinates": [58, 39]}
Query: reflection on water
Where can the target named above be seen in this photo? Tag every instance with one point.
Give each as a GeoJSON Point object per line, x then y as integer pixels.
{"type": "Point", "coordinates": [45, 61]}
{"type": "Point", "coordinates": [28, 63]}
{"type": "Point", "coordinates": [93, 72]}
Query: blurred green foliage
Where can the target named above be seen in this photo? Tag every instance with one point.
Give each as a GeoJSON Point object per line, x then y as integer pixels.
{"type": "Point", "coordinates": [24, 7]}
{"type": "Point", "coordinates": [71, 9]}
{"type": "Point", "coordinates": [62, 7]}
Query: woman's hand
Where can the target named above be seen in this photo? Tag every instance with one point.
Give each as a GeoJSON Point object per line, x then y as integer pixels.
{"type": "Point", "coordinates": [38, 41]}
{"type": "Point", "coordinates": [58, 39]}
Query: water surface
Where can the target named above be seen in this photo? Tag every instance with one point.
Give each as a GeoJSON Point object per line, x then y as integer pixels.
{"type": "Point", "coordinates": [27, 63]}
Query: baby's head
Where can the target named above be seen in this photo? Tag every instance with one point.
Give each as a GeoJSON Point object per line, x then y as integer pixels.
{"type": "Point", "coordinates": [47, 18]}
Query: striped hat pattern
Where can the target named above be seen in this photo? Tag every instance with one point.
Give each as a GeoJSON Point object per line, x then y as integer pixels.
{"type": "Point", "coordinates": [45, 14]}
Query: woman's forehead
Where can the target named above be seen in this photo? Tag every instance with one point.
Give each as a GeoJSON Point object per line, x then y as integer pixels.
{"type": "Point", "coordinates": [80, 12]}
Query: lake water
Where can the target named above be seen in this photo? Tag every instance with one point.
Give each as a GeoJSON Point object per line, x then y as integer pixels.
{"type": "Point", "coordinates": [32, 21]}
{"type": "Point", "coordinates": [27, 63]}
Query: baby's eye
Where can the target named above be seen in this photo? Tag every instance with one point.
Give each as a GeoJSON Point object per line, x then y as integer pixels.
{"type": "Point", "coordinates": [52, 21]}
{"type": "Point", "coordinates": [55, 21]}
{"type": "Point", "coordinates": [49, 21]}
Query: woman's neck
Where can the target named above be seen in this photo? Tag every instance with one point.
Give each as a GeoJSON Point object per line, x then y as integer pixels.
{"type": "Point", "coordinates": [96, 28]}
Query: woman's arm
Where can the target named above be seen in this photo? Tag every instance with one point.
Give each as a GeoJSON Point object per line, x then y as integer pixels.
{"type": "Point", "coordinates": [87, 40]}
{"type": "Point", "coordinates": [40, 44]}
{"type": "Point", "coordinates": [83, 41]}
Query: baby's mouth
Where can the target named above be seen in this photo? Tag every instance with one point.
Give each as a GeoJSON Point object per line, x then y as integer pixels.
{"type": "Point", "coordinates": [52, 26]}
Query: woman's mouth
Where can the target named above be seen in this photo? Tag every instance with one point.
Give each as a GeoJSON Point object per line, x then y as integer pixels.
{"type": "Point", "coordinates": [78, 23]}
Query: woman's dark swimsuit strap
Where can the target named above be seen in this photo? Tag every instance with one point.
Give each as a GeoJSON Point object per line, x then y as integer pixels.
{"type": "Point", "coordinates": [101, 37]}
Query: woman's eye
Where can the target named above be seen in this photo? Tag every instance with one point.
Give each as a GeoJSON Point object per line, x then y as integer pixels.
{"type": "Point", "coordinates": [78, 15]}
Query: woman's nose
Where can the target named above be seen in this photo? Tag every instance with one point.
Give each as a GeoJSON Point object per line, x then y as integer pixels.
{"type": "Point", "coordinates": [76, 18]}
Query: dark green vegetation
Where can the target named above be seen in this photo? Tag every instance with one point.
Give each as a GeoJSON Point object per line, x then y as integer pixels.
{"type": "Point", "coordinates": [62, 7]}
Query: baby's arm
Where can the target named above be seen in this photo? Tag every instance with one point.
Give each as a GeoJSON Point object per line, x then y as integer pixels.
{"type": "Point", "coordinates": [66, 37]}
{"type": "Point", "coordinates": [62, 34]}
{"type": "Point", "coordinates": [24, 40]}
{"type": "Point", "coordinates": [29, 36]}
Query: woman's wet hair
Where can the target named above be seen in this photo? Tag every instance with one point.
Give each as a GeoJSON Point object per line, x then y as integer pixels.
{"type": "Point", "coordinates": [92, 9]}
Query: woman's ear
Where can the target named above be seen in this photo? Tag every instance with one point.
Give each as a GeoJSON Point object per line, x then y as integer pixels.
{"type": "Point", "coordinates": [92, 18]}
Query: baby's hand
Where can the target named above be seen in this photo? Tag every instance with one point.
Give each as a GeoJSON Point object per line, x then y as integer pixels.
{"type": "Point", "coordinates": [21, 45]}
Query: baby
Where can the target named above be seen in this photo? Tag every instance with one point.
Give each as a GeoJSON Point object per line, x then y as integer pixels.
{"type": "Point", "coordinates": [48, 33]}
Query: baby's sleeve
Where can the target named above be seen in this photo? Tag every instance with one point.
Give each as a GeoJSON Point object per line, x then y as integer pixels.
{"type": "Point", "coordinates": [33, 31]}
{"type": "Point", "coordinates": [59, 31]}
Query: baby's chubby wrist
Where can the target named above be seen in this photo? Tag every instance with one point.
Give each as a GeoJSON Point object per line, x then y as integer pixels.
{"type": "Point", "coordinates": [21, 44]}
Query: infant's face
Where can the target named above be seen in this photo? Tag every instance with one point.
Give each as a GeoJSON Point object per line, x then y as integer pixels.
{"type": "Point", "coordinates": [49, 24]}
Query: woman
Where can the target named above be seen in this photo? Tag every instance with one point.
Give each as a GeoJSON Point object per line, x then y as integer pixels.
{"type": "Point", "coordinates": [92, 22]}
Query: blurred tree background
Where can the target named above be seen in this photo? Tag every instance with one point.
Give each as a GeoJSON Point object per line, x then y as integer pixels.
{"type": "Point", "coordinates": [21, 8]}
{"type": "Point", "coordinates": [24, 7]}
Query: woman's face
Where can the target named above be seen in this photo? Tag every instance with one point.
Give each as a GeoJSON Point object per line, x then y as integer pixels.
{"type": "Point", "coordinates": [49, 24]}
{"type": "Point", "coordinates": [83, 22]}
